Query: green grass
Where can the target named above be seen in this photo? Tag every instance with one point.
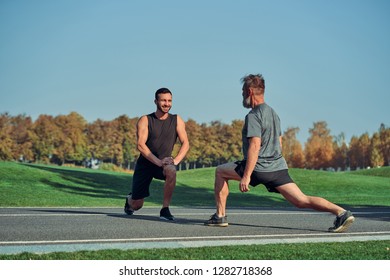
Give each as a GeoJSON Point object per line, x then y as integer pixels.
{"type": "Point", "coordinates": [381, 172]}
{"type": "Point", "coordinates": [23, 185]}
{"type": "Point", "coordinates": [39, 185]}
{"type": "Point", "coordinates": [49, 186]}
{"type": "Point", "coordinates": [370, 250]}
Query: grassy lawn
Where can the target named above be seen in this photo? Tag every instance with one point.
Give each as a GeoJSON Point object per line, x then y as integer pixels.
{"type": "Point", "coordinates": [50, 186]}
{"type": "Point", "coordinates": [369, 250]}
{"type": "Point", "coordinates": [24, 185]}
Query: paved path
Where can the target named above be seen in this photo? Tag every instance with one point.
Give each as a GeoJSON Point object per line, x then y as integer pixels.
{"type": "Point", "coordinates": [41, 230]}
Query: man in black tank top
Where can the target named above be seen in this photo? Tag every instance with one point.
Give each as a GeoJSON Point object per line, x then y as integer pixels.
{"type": "Point", "coordinates": [156, 136]}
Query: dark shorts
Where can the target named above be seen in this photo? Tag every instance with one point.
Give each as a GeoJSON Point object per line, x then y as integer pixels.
{"type": "Point", "coordinates": [144, 173]}
{"type": "Point", "coordinates": [271, 180]}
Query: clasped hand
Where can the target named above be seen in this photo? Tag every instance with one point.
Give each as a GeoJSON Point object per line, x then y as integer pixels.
{"type": "Point", "coordinates": [167, 161]}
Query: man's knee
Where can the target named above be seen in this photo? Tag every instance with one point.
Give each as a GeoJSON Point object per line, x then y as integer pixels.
{"type": "Point", "coordinates": [170, 171]}
{"type": "Point", "coordinates": [294, 195]}
{"type": "Point", "coordinates": [227, 171]}
{"type": "Point", "coordinates": [220, 170]}
{"type": "Point", "coordinates": [137, 204]}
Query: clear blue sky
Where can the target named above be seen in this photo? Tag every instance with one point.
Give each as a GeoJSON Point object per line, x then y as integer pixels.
{"type": "Point", "coordinates": [322, 60]}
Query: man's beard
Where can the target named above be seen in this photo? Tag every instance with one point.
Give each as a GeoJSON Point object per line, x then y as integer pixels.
{"type": "Point", "coordinates": [246, 102]}
{"type": "Point", "coordinates": [164, 109]}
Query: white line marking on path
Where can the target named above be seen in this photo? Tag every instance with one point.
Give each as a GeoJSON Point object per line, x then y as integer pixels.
{"type": "Point", "coordinates": [180, 214]}
{"type": "Point", "coordinates": [186, 238]}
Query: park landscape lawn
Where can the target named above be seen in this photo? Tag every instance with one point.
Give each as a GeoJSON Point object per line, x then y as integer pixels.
{"type": "Point", "coordinates": [30, 185]}
{"type": "Point", "coordinates": [368, 250]}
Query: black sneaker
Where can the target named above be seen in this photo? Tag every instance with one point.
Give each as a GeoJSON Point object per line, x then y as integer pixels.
{"type": "Point", "coordinates": [128, 210]}
{"type": "Point", "coordinates": [165, 214]}
{"type": "Point", "coordinates": [342, 222]}
{"type": "Point", "coordinates": [217, 221]}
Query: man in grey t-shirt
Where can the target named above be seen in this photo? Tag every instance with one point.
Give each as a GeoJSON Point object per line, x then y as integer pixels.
{"type": "Point", "coordinates": [263, 122]}
{"type": "Point", "coordinates": [263, 162]}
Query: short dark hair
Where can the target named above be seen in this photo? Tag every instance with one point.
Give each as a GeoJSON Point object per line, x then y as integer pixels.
{"type": "Point", "coordinates": [254, 81]}
{"type": "Point", "coordinates": [160, 91]}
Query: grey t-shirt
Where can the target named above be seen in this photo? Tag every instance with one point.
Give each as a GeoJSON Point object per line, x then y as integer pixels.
{"type": "Point", "coordinates": [262, 121]}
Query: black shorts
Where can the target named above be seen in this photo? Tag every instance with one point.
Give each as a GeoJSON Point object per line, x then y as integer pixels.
{"type": "Point", "coordinates": [144, 173]}
{"type": "Point", "coordinates": [271, 180]}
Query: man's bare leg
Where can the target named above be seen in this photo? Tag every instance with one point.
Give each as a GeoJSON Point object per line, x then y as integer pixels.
{"type": "Point", "coordinates": [223, 174]}
{"type": "Point", "coordinates": [170, 184]}
{"type": "Point", "coordinates": [295, 196]}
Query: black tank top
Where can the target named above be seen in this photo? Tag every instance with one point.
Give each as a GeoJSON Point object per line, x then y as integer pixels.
{"type": "Point", "coordinates": [162, 135]}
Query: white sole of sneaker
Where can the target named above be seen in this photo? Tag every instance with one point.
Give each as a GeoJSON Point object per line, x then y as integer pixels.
{"type": "Point", "coordinates": [218, 225]}
{"type": "Point", "coordinates": [166, 219]}
{"type": "Point", "coordinates": [348, 222]}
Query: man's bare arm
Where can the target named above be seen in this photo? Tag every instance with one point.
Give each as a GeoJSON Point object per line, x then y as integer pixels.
{"type": "Point", "coordinates": [142, 137]}
{"type": "Point", "coordinates": [183, 138]}
{"type": "Point", "coordinates": [253, 153]}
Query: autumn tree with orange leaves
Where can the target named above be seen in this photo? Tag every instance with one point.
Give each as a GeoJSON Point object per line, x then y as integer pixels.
{"type": "Point", "coordinates": [340, 158]}
{"type": "Point", "coordinates": [292, 148]}
{"type": "Point", "coordinates": [70, 139]}
{"type": "Point", "coordinates": [319, 147]}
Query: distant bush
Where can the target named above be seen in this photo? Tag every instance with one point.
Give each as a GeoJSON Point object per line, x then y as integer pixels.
{"type": "Point", "coordinates": [381, 172]}
{"type": "Point", "coordinates": [112, 167]}
{"type": "Point", "coordinates": [109, 167]}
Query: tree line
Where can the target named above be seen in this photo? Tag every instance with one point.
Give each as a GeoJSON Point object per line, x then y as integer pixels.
{"type": "Point", "coordinates": [70, 139]}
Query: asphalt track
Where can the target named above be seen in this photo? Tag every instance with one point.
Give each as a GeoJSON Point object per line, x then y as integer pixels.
{"type": "Point", "coordinates": [43, 230]}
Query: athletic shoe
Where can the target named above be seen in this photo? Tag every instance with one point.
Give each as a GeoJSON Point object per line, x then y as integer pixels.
{"type": "Point", "coordinates": [342, 222]}
{"type": "Point", "coordinates": [217, 221]}
{"type": "Point", "coordinates": [165, 214]}
{"type": "Point", "coordinates": [128, 210]}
